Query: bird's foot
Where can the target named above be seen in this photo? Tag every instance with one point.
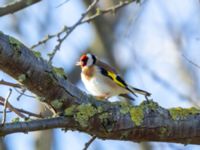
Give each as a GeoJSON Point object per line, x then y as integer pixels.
{"type": "Point", "coordinates": [147, 99]}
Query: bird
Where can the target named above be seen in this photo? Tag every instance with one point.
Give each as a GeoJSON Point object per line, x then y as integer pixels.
{"type": "Point", "coordinates": [102, 81]}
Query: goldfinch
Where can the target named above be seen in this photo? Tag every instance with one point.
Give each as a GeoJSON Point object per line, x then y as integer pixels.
{"type": "Point", "coordinates": [102, 81]}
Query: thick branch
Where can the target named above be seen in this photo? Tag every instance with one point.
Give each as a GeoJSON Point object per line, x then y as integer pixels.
{"type": "Point", "coordinates": [156, 126]}
{"type": "Point", "coordinates": [147, 122]}
{"type": "Point", "coordinates": [16, 6]}
{"type": "Point", "coordinates": [35, 73]}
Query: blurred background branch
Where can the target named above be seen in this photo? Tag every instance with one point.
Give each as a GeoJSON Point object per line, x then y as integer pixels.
{"type": "Point", "coordinates": [16, 6]}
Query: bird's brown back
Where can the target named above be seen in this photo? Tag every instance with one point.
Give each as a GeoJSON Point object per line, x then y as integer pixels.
{"type": "Point", "coordinates": [105, 66]}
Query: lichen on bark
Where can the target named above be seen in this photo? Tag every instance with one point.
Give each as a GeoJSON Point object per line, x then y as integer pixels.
{"type": "Point", "coordinates": [81, 113]}
{"type": "Point", "coordinates": [15, 43]}
{"type": "Point", "coordinates": [179, 113]}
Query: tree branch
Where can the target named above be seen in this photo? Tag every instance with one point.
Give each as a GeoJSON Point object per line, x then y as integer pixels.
{"type": "Point", "coordinates": [120, 121]}
{"type": "Point", "coordinates": [156, 126]}
{"type": "Point", "coordinates": [99, 12]}
{"type": "Point", "coordinates": [16, 6]}
{"type": "Point", "coordinates": [89, 143]}
{"type": "Point", "coordinates": [19, 111]}
{"type": "Point", "coordinates": [112, 9]}
{"type": "Point", "coordinates": [2, 82]}
{"type": "Point", "coordinates": [5, 106]}
{"type": "Point", "coordinates": [70, 30]}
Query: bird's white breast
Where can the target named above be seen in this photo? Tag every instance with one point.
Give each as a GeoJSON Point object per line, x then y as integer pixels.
{"type": "Point", "coordinates": [99, 85]}
{"type": "Point", "coordinates": [95, 86]}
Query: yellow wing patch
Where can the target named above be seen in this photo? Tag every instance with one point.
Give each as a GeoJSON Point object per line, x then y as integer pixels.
{"type": "Point", "coordinates": [116, 79]}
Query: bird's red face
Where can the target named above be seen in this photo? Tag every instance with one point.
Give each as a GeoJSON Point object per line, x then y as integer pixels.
{"type": "Point", "coordinates": [86, 60]}
{"type": "Point", "coordinates": [83, 61]}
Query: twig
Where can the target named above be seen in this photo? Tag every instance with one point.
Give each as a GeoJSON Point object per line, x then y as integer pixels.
{"type": "Point", "coordinates": [89, 142]}
{"type": "Point", "coordinates": [13, 109]}
{"type": "Point", "coordinates": [5, 106]}
{"type": "Point", "coordinates": [190, 61]}
{"type": "Point", "coordinates": [30, 113]}
{"type": "Point", "coordinates": [89, 19]}
{"type": "Point", "coordinates": [16, 6]}
{"type": "Point", "coordinates": [62, 3]}
{"type": "Point", "coordinates": [69, 30]}
{"type": "Point", "coordinates": [16, 85]}
{"type": "Point", "coordinates": [23, 94]}
{"type": "Point", "coordinates": [100, 12]}
{"type": "Point", "coordinates": [48, 37]}
{"type": "Point", "coordinates": [8, 105]}
{"type": "Point", "coordinates": [19, 111]}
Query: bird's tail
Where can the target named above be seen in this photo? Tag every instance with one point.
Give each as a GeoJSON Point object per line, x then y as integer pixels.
{"type": "Point", "coordinates": [138, 91]}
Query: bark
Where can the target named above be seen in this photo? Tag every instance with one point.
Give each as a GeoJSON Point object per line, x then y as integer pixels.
{"type": "Point", "coordinates": [119, 121]}
{"type": "Point", "coordinates": [16, 6]}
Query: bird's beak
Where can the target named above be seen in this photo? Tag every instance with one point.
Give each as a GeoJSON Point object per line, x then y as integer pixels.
{"type": "Point", "coordinates": [78, 63]}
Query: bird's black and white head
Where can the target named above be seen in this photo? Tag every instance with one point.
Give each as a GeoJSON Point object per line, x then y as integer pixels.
{"type": "Point", "coordinates": [87, 60]}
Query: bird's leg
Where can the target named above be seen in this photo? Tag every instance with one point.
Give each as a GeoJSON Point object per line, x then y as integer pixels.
{"type": "Point", "coordinates": [127, 97]}
{"type": "Point", "coordinates": [147, 99]}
